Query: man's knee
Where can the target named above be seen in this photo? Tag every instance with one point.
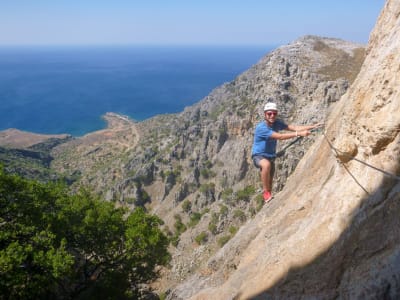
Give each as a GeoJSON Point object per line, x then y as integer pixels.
{"type": "Point", "coordinates": [265, 164]}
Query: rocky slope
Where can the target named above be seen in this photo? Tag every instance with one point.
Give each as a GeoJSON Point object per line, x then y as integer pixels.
{"type": "Point", "coordinates": [333, 231]}
{"type": "Point", "coordinates": [193, 169]}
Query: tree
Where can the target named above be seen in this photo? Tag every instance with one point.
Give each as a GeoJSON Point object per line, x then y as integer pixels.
{"type": "Point", "coordinates": [57, 245]}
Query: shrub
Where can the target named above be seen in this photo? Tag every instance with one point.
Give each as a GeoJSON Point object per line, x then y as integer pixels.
{"type": "Point", "coordinates": [208, 164]}
{"type": "Point", "coordinates": [223, 240]}
{"type": "Point", "coordinates": [162, 296]}
{"type": "Point", "coordinates": [214, 217]}
{"type": "Point", "coordinates": [227, 194]}
{"type": "Point", "coordinates": [194, 219]}
{"type": "Point", "coordinates": [246, 193]}
{"type": "Point", "coordinates": [201, 238]}
{"type": "Point", "coordinates": [212, 227]}
{"type": "Point", "coordinates": [252, 211]}
{"type": "Point", "coordinates": [186, 206]}
{"type": "Point", "coordinates": [174, 240]}
{"type": "Point", "coordinates": [179, 226]}
{"type": "Point", "coordinates": [223, 210]}
{"type": "Point", "coordinates": [205, 211]}
{"type": "Point", "coordinates": [239, 214]}
{"type": "Point", "coordinates": [78, 246]}
{"type": "Point", "coordinates": [233, 230]}
{"type": "Point", "coordinates": [259, 202]}
{"type": "Point", "coordinates": [207, 188]}
{"type": "Point", "coordinates": [207, 173]}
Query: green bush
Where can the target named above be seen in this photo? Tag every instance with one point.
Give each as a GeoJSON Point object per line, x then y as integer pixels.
{"type": "Point", "coordinates": [206, 170]}
{"type": "Point", "coordinates": [172, 176]}
{"type": "Point", "coordinates": [201, 238]}
{"type": "Point", "coordinates": [233, 230]}
{"type": "Point", "coordinates": [207, 188]}
{"type": "Point", "coordinates": [208, 164]}
{"type": "Point", "coordinates": [179, 226]}
{"type": "Point", "coordinates": [55, 245]}
{"type": "Point", "coordinates": [227, 194]}
{"type": "Point", "coordinates": [223, 210]}
{"type": "Point", "coordinates": [252, 211]}
{"type": "Point", "coordinates": [174, 240]}
{"type": "Point", "coordinates": [246, 193]}
{"type": "Point", "coordinates": [207, 173]}
{"type": "Point", "coordinates": [212, 227]}
{"type": "Point", "coordinates": [162, 296]}
{"type": "Point", "coordinates": [186, 206]}
{"type": "Point", "coordinates": [239, 214]}
{"type": "Point", "coordinates": [223, 240]}
{"type": "Point", "coordinates": [205, 211]}
{"type": "Point", "coordinates": [259, 202]}
{"type": "Point", "coordinates": [194, 219]}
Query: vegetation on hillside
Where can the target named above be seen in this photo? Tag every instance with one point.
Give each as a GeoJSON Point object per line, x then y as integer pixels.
{"type": "Point", "coordinates": [54, 245]}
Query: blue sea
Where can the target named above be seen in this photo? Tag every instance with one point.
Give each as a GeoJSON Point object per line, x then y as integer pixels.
{"type": "Point", "coordinates": [67, 89]}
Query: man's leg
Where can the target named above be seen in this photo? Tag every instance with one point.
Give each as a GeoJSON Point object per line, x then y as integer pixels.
{"type": "Point", "coordinates": [267, 168]}
{"type": "Point", "coordinates": [265, 171]}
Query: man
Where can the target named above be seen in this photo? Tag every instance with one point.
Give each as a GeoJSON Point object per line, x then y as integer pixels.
{"type": "Point", "coordinates": [264, 145]}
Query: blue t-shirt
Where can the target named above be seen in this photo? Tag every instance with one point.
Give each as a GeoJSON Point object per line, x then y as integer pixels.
{"type": "Point", "coordinates": [263, 144]}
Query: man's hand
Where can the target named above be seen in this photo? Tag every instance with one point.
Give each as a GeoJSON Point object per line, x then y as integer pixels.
{"type": "Point", "coordinates": [307, 132]}
{"type": "Point", "coordinates": [304, 132]}
{"type": "Point", "coordinates": [318, 125]}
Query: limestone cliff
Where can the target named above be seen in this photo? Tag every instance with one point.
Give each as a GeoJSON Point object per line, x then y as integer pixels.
{"type": "Point", "coordinates": [334, 230]}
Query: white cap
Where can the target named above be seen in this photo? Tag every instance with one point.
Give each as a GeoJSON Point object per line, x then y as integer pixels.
{"type": "Point", "coordinates": [270, 106]}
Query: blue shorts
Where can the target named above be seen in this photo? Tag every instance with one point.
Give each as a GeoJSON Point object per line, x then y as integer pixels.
{"type": "Point", "coordinates": [258, 158]}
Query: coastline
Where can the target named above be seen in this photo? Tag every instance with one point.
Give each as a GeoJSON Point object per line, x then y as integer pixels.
{"type": "Point", "coordinates": [20, 139]}
{"type": "Point", "coordinates": [15, 138]}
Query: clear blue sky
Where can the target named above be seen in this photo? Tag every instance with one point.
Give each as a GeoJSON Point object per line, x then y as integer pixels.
{"type": "Point", "coordinates": [211, 22]}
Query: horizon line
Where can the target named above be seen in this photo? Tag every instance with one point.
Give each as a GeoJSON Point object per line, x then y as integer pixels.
{"type": "Point", "coordinates": [141, 45]}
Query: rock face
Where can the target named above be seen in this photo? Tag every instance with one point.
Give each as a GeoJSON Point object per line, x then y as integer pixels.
{"type": "Point", "coordinates": [333, 231]}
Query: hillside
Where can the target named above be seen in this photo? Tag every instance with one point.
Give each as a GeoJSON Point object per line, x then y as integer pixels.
{"type": "Point", "coordinates": [333, 231]}
{"type": "Point", "coordinates": [193, 169]}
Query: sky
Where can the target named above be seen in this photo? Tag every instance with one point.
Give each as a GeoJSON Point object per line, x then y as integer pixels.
{"type": "Point", "coordinates": [183, 22]}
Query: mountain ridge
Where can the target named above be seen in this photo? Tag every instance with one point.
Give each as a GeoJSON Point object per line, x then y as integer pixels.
{"type": "Point", "coordinates": [333, 231]}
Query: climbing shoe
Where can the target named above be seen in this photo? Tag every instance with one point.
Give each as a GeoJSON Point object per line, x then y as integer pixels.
{"type": "Point", "coordinates": [267, 196]}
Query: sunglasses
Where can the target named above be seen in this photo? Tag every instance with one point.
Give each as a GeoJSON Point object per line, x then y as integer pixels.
{"type": "Point", "coordinates": [272, 113]}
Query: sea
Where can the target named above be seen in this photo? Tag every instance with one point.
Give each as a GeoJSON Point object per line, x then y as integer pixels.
{"type": "Point", "coordinates": [54, 89]}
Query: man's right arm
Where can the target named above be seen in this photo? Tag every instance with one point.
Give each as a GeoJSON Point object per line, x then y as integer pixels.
{"type": "Point", "coordinates": [289, 135]}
